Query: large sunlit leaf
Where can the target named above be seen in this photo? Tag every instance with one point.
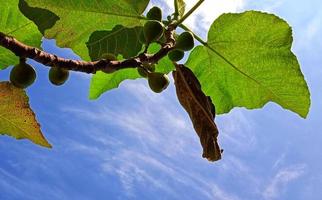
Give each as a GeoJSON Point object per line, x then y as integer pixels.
{"type": "Point", "coordinates": [249, 62]}
{"type": "Point", "coordinates": [14, 23]}
{"type": "Point", "coordinates": [80, 18]}
{"type": "Point", "coordinates": [120, 40]}
{"type": "Point", "coordinates": [102, 82]}
{"type": "Point", "coordinates": [200, 109]}
{"type": "Point", "coordinates": [16, 117]}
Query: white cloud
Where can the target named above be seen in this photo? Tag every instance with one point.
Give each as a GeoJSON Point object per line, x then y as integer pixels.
{"type": "Point", "coordinates": [220, 194]}
{"type": "Point", "coordinates": [203, 17]}
{"type": "Point", "coordinates": [281, 180]}
{"type": "Point", "coordinates": [237, 131]}
{"type": "Point", "coordinates": [164, 142]}
{"type": "Point", "coordinates": [209, 10]}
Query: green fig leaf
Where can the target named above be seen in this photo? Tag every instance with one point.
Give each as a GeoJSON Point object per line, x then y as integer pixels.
{"type": "Point", "coordinates": [16, 117]}
{"type": "Point", "coordinates": [248, 62]}
{"type": "Point", "coordinates": [14, 23]}
{"type": "Point", "coordinates": [80, 18]}
{"type": "Point", "coordinates": [120, 40]}
{"type": "Point", "coordinates": [102, 82]}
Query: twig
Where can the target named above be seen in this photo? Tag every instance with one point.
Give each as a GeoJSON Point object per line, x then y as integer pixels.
{"type": "Point", "coordinates": [24, 51]}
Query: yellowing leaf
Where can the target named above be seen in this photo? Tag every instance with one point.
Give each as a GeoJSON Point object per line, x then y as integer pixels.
{"type": "Point", "coordinates": [200, 109]}
{"type": "Point", "coordinates": [16, 117]}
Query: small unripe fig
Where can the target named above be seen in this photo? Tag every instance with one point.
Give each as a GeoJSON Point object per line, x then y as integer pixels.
{"type": "Point", "coordinates": [145, 69]}
{"type": "Point", "coordinates": [154, 13]}
{"type": "Point", "coordinates": [22, 75]}
{"type": "Point", "coordinates": [185, 41]}
{"type": "Point", "coordinates": [175, 55]}
{"type": "Point", "coordinates": [158, 81]}
{"type": "Point", "coordinates": [58, 76]}
{"type": "Point", "coordinates": [153, 31]}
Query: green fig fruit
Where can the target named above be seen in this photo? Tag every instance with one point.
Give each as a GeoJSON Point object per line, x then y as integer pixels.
{"type": "Point", "coordinates": [175, 55]}
{"type": "Point", "coordinates": [185, 41]}
{"type": "Point", "coordinates": [58, 76]}
{"type": "Point", "coordinates": [145, 69]}
{"type": "Point", "coordinates": [154, 13]}
{"type": "Point", "coordinates": [153, 31]}
{"type": "Point", "coordinates": [22, 75]}
{"type": "Point", "coordinates": [158, 81]}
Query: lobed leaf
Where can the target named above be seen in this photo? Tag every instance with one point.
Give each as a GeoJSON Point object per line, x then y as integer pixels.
{"type": "Point", "coordinates": [200, 109]}
{"type": "Point", "coordinates": [16, 117]}
{"type": "Point", "coordinates": [248, 62]}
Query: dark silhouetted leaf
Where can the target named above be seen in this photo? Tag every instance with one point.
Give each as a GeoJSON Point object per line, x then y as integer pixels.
{"type": "Point", "coordinates": [200, 109]}
{"type": "Point", "coordinates": [43, 18]}
{"type": "Point", "coordinates": [120, 40]}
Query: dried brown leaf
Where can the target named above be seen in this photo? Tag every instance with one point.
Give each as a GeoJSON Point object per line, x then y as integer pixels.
{"type": "Point", "coordinates": [200, 109]}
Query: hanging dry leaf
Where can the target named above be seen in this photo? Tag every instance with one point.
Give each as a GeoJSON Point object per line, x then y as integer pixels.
{"type": "Point", "coordinates": [200, 109]}
{"type": "Point", "coordinates": [16, 117]}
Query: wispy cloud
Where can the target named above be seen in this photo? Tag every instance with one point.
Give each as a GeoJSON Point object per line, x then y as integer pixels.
{"type": "Point", "coordinates": [281, 180]}
{"type": "Point", "coordinates": [160, 141]}
{"type": "Point", "coordinates": [205, 15]}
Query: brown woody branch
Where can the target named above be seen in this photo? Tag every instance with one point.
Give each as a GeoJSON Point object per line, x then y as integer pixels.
{"type": "Point", "coordinates": [24, 51]}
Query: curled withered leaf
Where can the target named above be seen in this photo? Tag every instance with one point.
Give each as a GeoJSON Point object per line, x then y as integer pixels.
{"type": "Point", "coordinates": [200, 109]}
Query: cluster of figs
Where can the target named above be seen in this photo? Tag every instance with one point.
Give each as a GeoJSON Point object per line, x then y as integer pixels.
{"type": "Point", "coordinates": [23, 75]}
{"type": "Point", "coordinates": [153, 31]}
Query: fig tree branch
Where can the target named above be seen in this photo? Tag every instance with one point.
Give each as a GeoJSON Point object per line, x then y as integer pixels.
{"type": "Point", "coordinates": [109, 66]}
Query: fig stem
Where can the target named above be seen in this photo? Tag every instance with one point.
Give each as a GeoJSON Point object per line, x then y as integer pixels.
{"type": "Point", "coordinates": [198, 38]}
{"type": "Point", "coordinates": [185, 16]}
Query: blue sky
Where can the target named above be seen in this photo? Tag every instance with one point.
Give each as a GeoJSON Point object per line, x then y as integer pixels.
{"type": "Point", "coordinates": [134, 144]}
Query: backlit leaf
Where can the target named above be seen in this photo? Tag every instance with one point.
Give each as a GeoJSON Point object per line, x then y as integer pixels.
{"type": "Point", "coordinates": [80, 18]}
{"type": "Point", "coordinates": [14, 23]}
{"type": "Point", "coordinates": [248, 62]}
{"type": "Point", "coordinates": [16, 117]}
{"type": "Point", "coordinates": [181, 5]}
